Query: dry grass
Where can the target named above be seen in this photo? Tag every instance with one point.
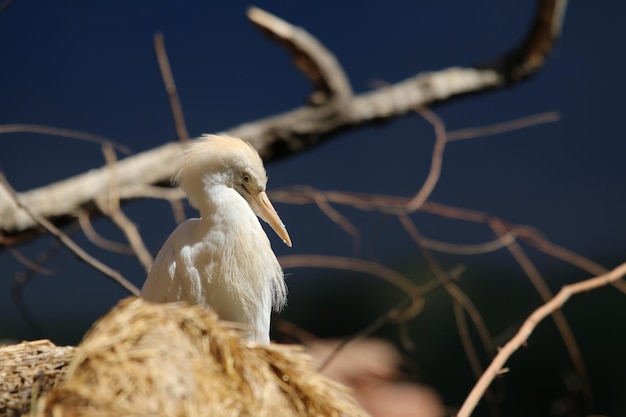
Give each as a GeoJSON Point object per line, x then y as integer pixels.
{"type": "Point", "coordinates": [28, 368]}
{"type": "Point", "coordinates": [174, 360]}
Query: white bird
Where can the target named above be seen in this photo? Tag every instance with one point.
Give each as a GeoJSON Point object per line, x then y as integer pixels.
{"type": "Point", "coordinates": [223, 260]}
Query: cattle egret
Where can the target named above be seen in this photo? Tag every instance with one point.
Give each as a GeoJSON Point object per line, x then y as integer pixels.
{"type": "Point", "coordinates": [223, 259]}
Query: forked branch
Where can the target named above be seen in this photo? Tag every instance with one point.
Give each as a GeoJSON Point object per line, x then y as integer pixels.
{"type": "Point", "coordinates": [497, 365]}
{"type": "Point", "coordinates": [66, 241]}
{"type": "Point", "coordinates": [301, 128]}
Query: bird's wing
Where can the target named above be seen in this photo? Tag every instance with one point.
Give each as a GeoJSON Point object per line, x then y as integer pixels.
{"type": "Point", "coordinates": [174, 276]}
{"type": "Point", "coordinates": [161, 285]}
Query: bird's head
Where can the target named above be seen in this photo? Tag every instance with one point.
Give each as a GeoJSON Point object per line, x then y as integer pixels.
{"type": "Point", "coordinates": [224, 160]}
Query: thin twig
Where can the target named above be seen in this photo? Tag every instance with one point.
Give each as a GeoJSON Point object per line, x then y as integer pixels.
{"type": "Point", "coordinates": [559, 318]}
{"type": "Point", "coordinates": [174, 196]}
{"type": "Point", "coordinates": [366, 331]}
{"type": "Point", "coordinates": [33, 266]}
{"type": "Point", "coordinates": [522, 336]}
{"type": "Point", "coordinates": [170, 87]}
{"type": "Point", "coordinates": [436, 159]}
{"type": "Point", "coordinates": [356, 265]}
{"type": "Point", "coordinates": [455, 292]}
{"type": "Point", "coordinates": [23, 278]}
{"type": "Point", "coordinates": [307, 126]}
{"type": "Point", "coordinates": [178, 210]}
{"type": "Point", "coordinates": [340, 220]}
{"type": "Point", "coordinates": [509, 126]}
{"type": "Point", "coordinates": [69, 243]}
{"type": "Point", "coordinates": [97, 239]}
{"type": "Point", "coordinates": [474, 249]}
{"type": "Point", "coordinates": [472, 355]}
{"type": "Point", "coordinates": [65, 133]}
{"type": "Point", "coordinates": [525, 233]}
{"type": "Point", "coordinates": [398, 312]}
{"type": "Point", "coordinates": [17, 293]}
{"type": "Point", "coordinates": [461, 302]}
{"type": "Point", "coordinates": [285, 327]}
{"type": "Point", "coordinates": [396, 205]}
{"type": "Point", "coordinates": [111, 207]}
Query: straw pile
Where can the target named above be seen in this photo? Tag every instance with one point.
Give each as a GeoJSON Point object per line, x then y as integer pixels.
{"type": "Point", "coordinates": [146, 359]}
{"type": "Point", "coordinates": [27, 369]}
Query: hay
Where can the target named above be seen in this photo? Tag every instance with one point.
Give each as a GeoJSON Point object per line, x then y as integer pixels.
{"type": "Point", "coordinates": [173, 360]}
{"type": "Point", "coordinates": [28, 369]}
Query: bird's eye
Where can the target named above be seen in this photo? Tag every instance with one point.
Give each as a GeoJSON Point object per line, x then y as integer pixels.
{"type": "Point", "coordinates": [246, 178]}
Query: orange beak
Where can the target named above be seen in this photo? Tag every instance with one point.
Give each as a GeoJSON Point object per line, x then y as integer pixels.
{"type": "Point", "coordinates": [264, 209]}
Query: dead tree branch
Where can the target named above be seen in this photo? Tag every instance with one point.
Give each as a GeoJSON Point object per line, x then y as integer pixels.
{"type": "Point", "coordinates": [170, 87]}
{"type": "Point", "coordinates": [332, 109]}
{"type": "Point", "coordinates": [527, 328]}
{"type": "Point", "coordinates": [65, 239]}
{"type": "Point", "coordinates": [110, 206]}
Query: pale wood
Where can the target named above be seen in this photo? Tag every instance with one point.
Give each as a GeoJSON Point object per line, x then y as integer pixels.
{"type": "Point", "coordinates": [296, 130]}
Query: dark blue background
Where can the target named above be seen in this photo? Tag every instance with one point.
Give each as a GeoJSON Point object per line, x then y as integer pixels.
{"type": "Point", "coordinates": [90, 66]}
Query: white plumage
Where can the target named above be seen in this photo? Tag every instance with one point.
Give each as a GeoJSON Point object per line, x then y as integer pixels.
{"type": "Point", "coordinates": [223, 259]}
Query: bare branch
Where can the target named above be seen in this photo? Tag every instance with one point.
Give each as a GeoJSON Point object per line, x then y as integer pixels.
{"type": "Point", "coordinates": [497, 365]}
{"type": "Point", "coordinates": [130, 231]}
{"type": "Point", "coordinates": [63, 132]}
{"type": "Point", "coordinates": [472, 355]}
{"type": "Point", "coordinates": [357, 265]}
{"type": "Point", "coordinates": [98, 240]}
{"type": "Point", "coordinates": [397, 206]}
{"type": "Point", "coordinates": [339, 220]}
{"type": "Point", "coordinates": [170, 87]}
{"type": "Point", "coordinates": [174, 196]}
{"type": "Point", "coordinates": [474, 249]}
{"type": "Point", "coordinates": [309, 55]}
{"type": "Point", "coordinates": [25, 277]}
{"type": "Point", "coordinates": [292, 132]}
{"type": "Point", "coordinates": [521, 123]}
{"type": "Point", "coordinates": [31, 265]}
{"type": "Point", "coordinates": [455, 292]}
{"type": "Point", "coordinates": [436, 159]}
{"type": "Point", "coordinates": [69, 243]}
{"type": "Point", "coordinates": [111, 207]}
{"type": "Point", "coordinates": [61, 200]}
{"type": "Point", "coordinates": [399, 313]}
{"type": "Point", "coordinates": [153, 191]}
{"type": "Point", "coordinates": [559, 318]}
{"type": "Point", "coordinates": [531, 55]}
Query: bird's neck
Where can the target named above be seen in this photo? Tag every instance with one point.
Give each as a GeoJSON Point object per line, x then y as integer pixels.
{"type": "Point", "coordinates": [207, 192]}
{"type": "Point", "coordinates": [222, 201]}
{"type": "Point", "coordinates": [254, 278]}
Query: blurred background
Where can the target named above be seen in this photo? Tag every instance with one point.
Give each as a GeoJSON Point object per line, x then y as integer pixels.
{"type": "Point", "coordinates": [90, 66]}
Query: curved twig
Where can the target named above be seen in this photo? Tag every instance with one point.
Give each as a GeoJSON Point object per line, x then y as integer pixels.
{"type": "Point", "coordinates": [436, 159]}
{"type": "Point", "coordinates": [455, 292]}
{"type": "Point", "coordinates": [98, 240]}
{"type": "Point", "coordinates": [475, 249]}
{"type": "Point", "coordinates": [396, 205]}
{"type": "Point", "coordinates": [559, 318]}
{"type": "Point", "coordinates": [530, 56]}
{"type": "Point", "coordinates": [69, 243]}
{"type": "Point", "coordinates": [358, 265]}
{"type": "Point", "coordinates": [554, 304]}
